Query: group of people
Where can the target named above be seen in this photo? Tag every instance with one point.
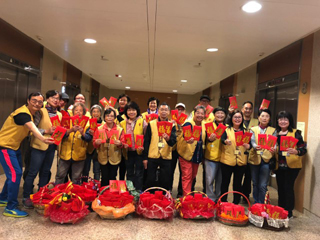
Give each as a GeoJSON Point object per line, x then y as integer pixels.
{"type": "Point", "coordinates": [153, 163]}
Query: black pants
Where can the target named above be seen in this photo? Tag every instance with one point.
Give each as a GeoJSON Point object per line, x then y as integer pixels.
{"type": "Point", "coordinates": [227, 171]}
{"type": "Point", "coordinates": [122, 168]}
{"type": "Point", "coordinates": [108, 172]}
{"type": "Point", "coordinates": [285, 181]}
{"type": "Point", "coordinates": [165, 173]}
{"type": "Point", "coordinates": [246, 185]}
{"type": "Point", "coordinates": [134, 166]}
{"type": "Point", "coordinates": [174, 160]}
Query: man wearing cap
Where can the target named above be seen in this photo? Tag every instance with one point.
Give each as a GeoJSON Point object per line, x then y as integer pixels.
{"type": "Point", "coordinates": [64, 99]}
{"type": "Point", "coordinates": [204, 101]}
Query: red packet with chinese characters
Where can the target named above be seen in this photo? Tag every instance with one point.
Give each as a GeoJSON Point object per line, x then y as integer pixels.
{"type": "Point", "coordinates": [196, 133]}
{"type": "Point", "coordinates": [83, 121]}
{"type": "Point", "coordinates": [233, 102]}
{"type": "Point", "coordinates": [182, 118]}
{"type": "Point", "coordinates": [127, 138]}
{"type": "Point", "coordinates": [238, 136]}
{"type": "Point", "coordinates": [247, 137]}
{"type": "Point", "coordinates": [154, 116]}
{"type": "Point", "coordinates": [114, 136]}
{"type": "Point", "coordinates": [93, 124]}
{"type": "Point", "coordinates": [272, 140]}
{"type": "Point", "coordinates": [104, 102]}
{"type": "Point", "coordinates": [209, 110]}
{"type": "Point", "coordinates": [112, 101]}
{"type": "Point", "coordinates": [293, 142]}
{"type": "Point", "coordinates": [75, 120]}
{"type": "Point", "coordinates": [139, 141]}
{"type": "Point", "coordinates": [122, 186]}
{"type": "Point", "coordinates": [187, 132]}
{"type": "Point", "coordinates": [262, 140]}
{"type": "Point", "coordinates": [101, 134]}
{"type": "Point", "coordinates": [209, 128]}
{"type": "Point", "coordinates": [58, 134]}
{"type": "Point", "coordinates": [174, 114]}
{"type": "Point", "coordinates": [161, 128]}
{"type": "Point", "coordinates": [55, 121]}
{"type": "Point", "coordinates": [169, 128]}
{"type": "Point", "coordinates": [265, 104]}
{"type": "Point", "coordinates": [65, 122]}
{"type": "Point", "coordinates": [284, 143]}
{"type": "Point", "coordinates": [220, 130]}
{"type": "Point", "coordinates": [114, 187]}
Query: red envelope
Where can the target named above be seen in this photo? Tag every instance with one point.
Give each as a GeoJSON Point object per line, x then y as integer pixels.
{"type": "Point", "coordinates": [265, 104]}
{"type": "Point", "coordinates": [93, 124]}
{"type": "Point", "coordinates": [233, 102]}
{"type": "Point", "coordinates": [104, 102]}
{"type": "Point", "coordinates": [293, 142]}
{"type": "Point", "coordinates": [55, 121]}
{"type": "Point", "coordinates": [127, 138]}
{"type": "Point", "coordinates": [114, 186]}
{"type": "Point", "coordinates": [75, 120]}
{"type": "Point", "coordinates": [238, 137]}
{"type": "Point", "coordinates": [122, 186]}
{"type": "Point", "coordinates": [196, 132]}
{"type": "Point", "coordinates": [112, 101]}
{"type": "Point", "coordinates": [272, 140]}
{"type": "Point", "coordinates": [101, 134]}
{"type": "Point", "coordinates": [209, 110]}
{"type": "Point", "coordinates": [64, 113]}
{"type": "Point", "coordinates": [174, 114]}
{"type": "Point", "coordinates": [83, 121]}
{"type": "Point", "coordinates": [139, 141]}
{"type": "Point", "coordinates": [182, 118]}
{"type": "Point", "coordinates": [209, 128]}
{"type": "Point", "coordinates": [220, 130]}
{"type": "Point", "coordinates": [187, 132]}
{"type": "Point", "coordinates": [246, 137]}
{"type": "Point", "coordinates": [284, 143]}
{"type": "Point", "coordinates": [161, 128]}
{"type": "Point", "coordinates": [169, 128]}
{"type": "Point", "coordinates": [58, 134]}
{"type": "Point", "coordinates": [114, 135]}
{"type": "Point", "coordinates": [65, 122]}
{"type": "Point", "coordinates": [151, 117]}
{"type": "Point", "coordinates": [262, 140]}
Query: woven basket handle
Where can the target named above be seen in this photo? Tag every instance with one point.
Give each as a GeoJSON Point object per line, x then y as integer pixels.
{"type": "Point", "coordinates": [193, 192]}
{"type": "Point", "coordinates": [219, 200]}
{"type": "Point", "coordinates": [168, 194]}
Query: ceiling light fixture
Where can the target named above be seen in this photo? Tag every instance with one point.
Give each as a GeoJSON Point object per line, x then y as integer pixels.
{"type": "Point", "coordinates": [118, 75]}
{"type": "Point", "coordinates": [212, 50]}
{"type": "Point", "coordinates": [251, 7]}
{"type": "Point", "coordinates": [127, 87]}
{"type": "Point", "coordinates": [184, 80]}
{"type": "Point", "coordinates": [174, 90]}
{"type": "Point", "coordinates": [90, 40]}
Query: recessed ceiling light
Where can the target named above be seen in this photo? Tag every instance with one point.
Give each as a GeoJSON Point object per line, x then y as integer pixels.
{"type": "Point", "coordinates": [184, 80]}
{"type": "Point", "coordinates": [118, 75]}
{"type": "Point", "coordinates": [90, 40]}
{"type": "Point", "coordinates": [127, 87]}
{"type": "Point", "coordinates": [212, 50]}
{"type": "Point", "coordinates": [174, 90]}
{"type": "Point", "coordinates": [251, 7]}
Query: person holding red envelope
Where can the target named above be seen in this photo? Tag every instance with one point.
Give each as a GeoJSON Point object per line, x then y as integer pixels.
{"type": "Point", "coordinates": [233, 158]}
{"type": "Point", "coordinates": [191, 151]}
{"type": "Point", "coordinates": [290, 163]}
{"type": "Point", "coordinates": [153, 104]}
{"type": "Point", "coordinates": [134, 125]}
{"type": "Point", "coordinates": [259, 156]}
{"type": "Point", "coordinates": [205, 101]}
{"type": "Point", "coordinates": [109, 154]}
{"type": "Point", "coordinates": [73, 148]}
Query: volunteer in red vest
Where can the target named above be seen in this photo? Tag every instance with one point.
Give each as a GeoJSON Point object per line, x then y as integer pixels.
{"type": "Point", "coordinates": [290, 164]}
{"type": "Point", "coordinates": [14, 130]}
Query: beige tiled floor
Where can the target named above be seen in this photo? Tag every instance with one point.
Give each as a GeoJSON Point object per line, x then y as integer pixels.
{"type": "Point", "coordinates": [92, 227]}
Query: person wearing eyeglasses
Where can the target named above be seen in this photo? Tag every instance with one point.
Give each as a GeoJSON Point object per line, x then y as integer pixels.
{"type": "Point", "coordinates": [14, 130]}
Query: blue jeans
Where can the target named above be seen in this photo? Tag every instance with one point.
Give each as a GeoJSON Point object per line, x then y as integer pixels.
{"type": "Point", "coordinates": [260, 178]}
{"type": "Point", "coordinates": [41, 162]}
{"type": "Point", "coordinates": [96, 165]}
{"type": "Point", "coordinates": [12, 165]}
{"type": "Point", "coordinates": [213, 175]}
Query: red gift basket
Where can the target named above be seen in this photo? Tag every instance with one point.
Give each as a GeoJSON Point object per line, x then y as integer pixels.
{"type": "Point", "coordinates": [157, 205]}
{"type": "Point", "coordinates": [198, 206]}
{"type": "Point", "coordinates": [90, 183]}
{"type": "Point", "coordinates": [232, 214]}
{"type": "Point", "coordinates": [268, 216]}
{"type": "Point", "coordinates": [66, 207]}
{"type": "Point", "coordinates": [113, 205]}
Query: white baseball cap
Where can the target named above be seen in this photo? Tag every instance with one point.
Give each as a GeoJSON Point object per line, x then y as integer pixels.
{"type": "Point", "coordinates": [180, 105]}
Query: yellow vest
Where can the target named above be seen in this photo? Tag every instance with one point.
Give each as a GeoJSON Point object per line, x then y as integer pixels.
{"type": "Point", "coordinates": [293, 161]}
{"type": "Point", "coordinates": [138, 130]}
{"type": "Point", "coordinates": [109, 152]}
{"type": "Point", "coordinates": [254, 158]}
{"type": "Point", "coordinates": [228, 155]}
{"type": "Point", "coordinates": [210, 118]}
{"type": "Point", "coordinates": [178, 133]}
{"type": "Point", "coordinates": [213, 149]}
{"type": "Point", "coordinates": [11, 134]}
{"type": "Point", "coordinates": [144, 115]}
{"type": "Point", "coordinates": [74, 147]}
{"type": "Point", "coordinates": [154, 151]}
{"type": "Point", "coordinates": [253, 122]}
{"type": "Point", "coordinates": [186, 150]}
{"type": "Point", "coordinates": [45, 123]}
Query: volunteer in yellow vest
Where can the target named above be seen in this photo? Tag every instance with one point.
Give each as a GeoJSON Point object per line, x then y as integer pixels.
{"type": "Point", "coordinates": [14, 130]}
{"type": "Point", "coordinates": [109, 155]}
{"type": "Point", "coordinates": [79, 98]}
{"type": "Point", "coordinates": [73, 148]}
{"type": "Point", "coordinates": [153, 104]}
{"type": "Point", "coordinates": [191, 151]}
{"type": "Point", "coordinates": [290, 165]}
{"type": "Point", "coordinates": [158, 150]}
{"type": "Point", "coordinates": [42, 154]}
{"type": "Point", "coordinates": [95, 112]}
{"type": "Point", "coordinates": [259, 158]}
{"type": "Point", "coordinates": [134, 125]}
{"type": "Point", "coordinates": [204, 101]}
{"type": "Point", "coordinates": [175, 156]}
{"type": "Point", "coordinates": [233, 160]}
{"type": "Point", "coordinates": [212, 158]}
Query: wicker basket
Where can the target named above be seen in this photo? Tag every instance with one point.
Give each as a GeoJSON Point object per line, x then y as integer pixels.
{"type": "Point", "coordinates": [231, 221]}
{"type": "Point", "coordinates": [39, 206]}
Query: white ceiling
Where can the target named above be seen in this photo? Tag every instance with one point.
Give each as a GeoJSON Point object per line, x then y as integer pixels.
{"type": "Point", "coordinates": [152, 60]}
